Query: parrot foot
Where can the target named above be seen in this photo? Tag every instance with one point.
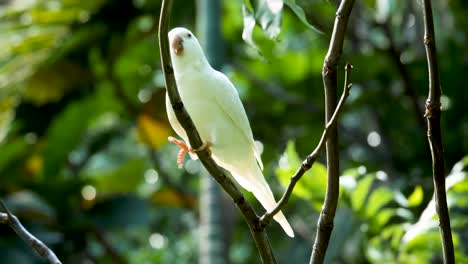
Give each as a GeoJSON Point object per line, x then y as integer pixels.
{"type": "Point", "coordinates": [184, 149]}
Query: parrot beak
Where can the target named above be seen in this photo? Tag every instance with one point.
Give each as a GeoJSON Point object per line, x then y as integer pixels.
{"type": "Point", "coordinates": [177, 45]}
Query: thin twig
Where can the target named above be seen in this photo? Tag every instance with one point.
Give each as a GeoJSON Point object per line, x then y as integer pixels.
{"type": "Point", "coordinates": [310, 160]}
{"type": "Point", "coordinates": [259, 234]}
{"type": "Point", "coordinates": [434, 135]}
{"type": "Point", "coordinates": [35, 244]}
{"type": "Point", "coordinates": [330, 83]}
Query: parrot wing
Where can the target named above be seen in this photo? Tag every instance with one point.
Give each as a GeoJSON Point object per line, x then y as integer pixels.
{"type": "Point", "coordinates": [227, 98]}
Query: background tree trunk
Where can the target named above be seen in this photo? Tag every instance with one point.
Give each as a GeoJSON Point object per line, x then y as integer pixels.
{"type": "Point", "coordinates": [213, 246]}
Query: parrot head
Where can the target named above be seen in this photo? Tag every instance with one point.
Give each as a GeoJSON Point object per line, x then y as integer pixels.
{"type": "Point", "coordinates": [185, 48]}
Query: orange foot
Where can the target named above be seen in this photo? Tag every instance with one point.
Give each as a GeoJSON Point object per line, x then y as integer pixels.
{"type": "Point", "coordinates": [184, 149]}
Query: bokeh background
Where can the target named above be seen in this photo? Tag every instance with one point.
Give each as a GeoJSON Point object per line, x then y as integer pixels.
{"type": "Point", "coordinates": [86, 166]}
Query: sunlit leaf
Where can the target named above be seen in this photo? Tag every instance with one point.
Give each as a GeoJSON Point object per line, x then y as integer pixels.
{"type": "Point", "coordinates": [123, 179]}
{"type": "Point", "coordinates": [393, 233]}
{"type": "Point", "coordinates": [7, 114]}
{"type": "Point", "coordinates": [378, 199]}
{"type": "Point", "coordinates": [268, 13]}
{"type": "Point", "coordinates": [249, 25]}
{"type": "Point", "coordinates": [382, 218]}
{"type": "Point", "coordinates": [416, 198]}
{"type": "Point", "coordinates": [313, 183]}
{"type": "Point", "coordinates": [170, 197]}
{"type": "Point", "coordinates": [34, 164]}
{"type": "Point", "coordinates": [358, 196]}
{"type": "Point", "coordinates": [429, 239]}
{"type": "Point", "coordinates": [300, 14]}
{"type": "Point", "coordinates": [153, 132]}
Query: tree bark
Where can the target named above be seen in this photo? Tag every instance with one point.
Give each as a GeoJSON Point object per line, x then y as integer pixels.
{"type": "Point", "coordinates": [434, 135]}
{"type": "Point", "coordinates": [330, 83]}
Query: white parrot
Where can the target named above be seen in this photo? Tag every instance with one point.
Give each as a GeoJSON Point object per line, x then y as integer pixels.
{"type": "Point", "coordinates": [212, 102]}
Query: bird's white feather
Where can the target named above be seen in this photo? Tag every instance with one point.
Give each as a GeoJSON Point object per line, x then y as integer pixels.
{"type": "Point", "coordinates": [219, 116]}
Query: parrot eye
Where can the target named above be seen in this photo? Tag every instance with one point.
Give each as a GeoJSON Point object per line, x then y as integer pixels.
{"type": "Point", "coordinates": [189, 35]}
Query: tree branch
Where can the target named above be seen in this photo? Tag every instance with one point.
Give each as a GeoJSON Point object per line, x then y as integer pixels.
{"type": "Point", "coordinates": [310, 160]}
{"type": "Point", "coordinates": [259, 235]}
{"type": "Point", "coordinates": [434, 134]}
{"type": "Point", "coordinates": [329, 75]}
{"type": "Point", "coordinates": [35, 244]}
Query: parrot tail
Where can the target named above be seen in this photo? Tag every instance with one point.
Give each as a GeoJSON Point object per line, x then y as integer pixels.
{"type": "Point", "coordinates": [258, 186]}
{"type": "Point", "coordinates": [266, 198]}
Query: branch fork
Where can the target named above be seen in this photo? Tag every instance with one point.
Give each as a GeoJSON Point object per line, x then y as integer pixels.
{"type": "Point", "coordinates": [312, 157]}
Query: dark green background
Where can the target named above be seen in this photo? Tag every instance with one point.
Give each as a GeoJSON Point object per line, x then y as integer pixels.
{"type": "Point", "coordinates": [82, 104]}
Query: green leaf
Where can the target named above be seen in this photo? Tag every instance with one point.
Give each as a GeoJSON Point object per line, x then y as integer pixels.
{"type": "Point", "coordinates": [268, 13]}
{"type": "Point", "coordinates": [300, 14]}
{"type": "Point", "coordinates": [312, 185]}
{"type": "Point", "coordinates": [382, 218]}
{"type": "Point", "coordinates": [123, 179]}
{"type": "Point", "coordinates": [249, 26]}
{"type": "Point", "coordinates": [394, 233]}
{"type": "Point", "coordinates": [358, 196]}
{"type": "Point", "coordinates": [424, 241]}
{"type": "Point", "coordinates": [7, 114]}
{"type": "Point", "coordinates": [378, 199]}
{"type": "Point", "coordinates": [291, 154]}
{"type": "Point", "coordinates": [11, 151]}
{"type": "Point", "coordinates": [416, 198]}
{"type": "Point", "coordinates": [49, 84]}
{"type": "Point", "coordinates": [65, 134]}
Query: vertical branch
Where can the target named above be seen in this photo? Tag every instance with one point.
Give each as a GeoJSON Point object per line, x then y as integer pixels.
{"type": "Point", "coordinates": [312, 157]}
{"type": "Point", "coordinates": [259, 234]}
{"type": "Point", "coordinates": [330, 83]}
{"type": "Point", "coordinates": [434, 135]}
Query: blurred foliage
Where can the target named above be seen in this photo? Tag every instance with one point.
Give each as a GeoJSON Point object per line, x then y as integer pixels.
{"type": "Point", "coordinates": [84, 161]}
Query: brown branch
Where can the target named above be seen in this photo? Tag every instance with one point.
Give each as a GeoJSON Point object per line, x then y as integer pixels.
{"type": "Point", "coordinates": [330, 83]}
{"type": "Point", "coordinates": [259, 234]}
{"type": "Point", "coordinates": [434, 135]}
{"type": "Point", "coordinates": [35, 244]}
{"type": "Point", "coordinates": [310, 160]}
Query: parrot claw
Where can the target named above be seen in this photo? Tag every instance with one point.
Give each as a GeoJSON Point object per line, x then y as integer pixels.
{"type": "Point", "coordinates": [184, 149]}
